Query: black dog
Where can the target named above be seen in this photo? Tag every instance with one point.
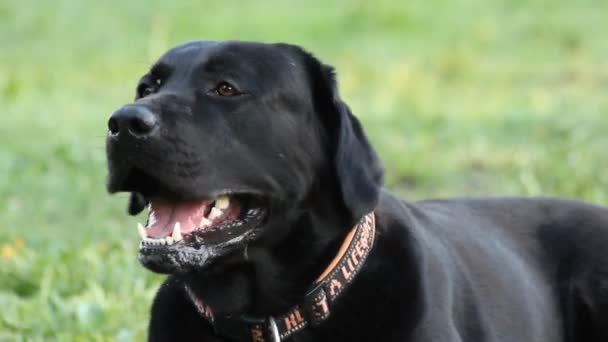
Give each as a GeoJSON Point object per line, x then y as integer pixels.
{"type": "Point", "coordinates": [267, 210]}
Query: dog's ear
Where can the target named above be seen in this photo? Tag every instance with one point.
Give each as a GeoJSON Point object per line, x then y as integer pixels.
{"type": "Point", "coordinates": [137, 203]}
{"type": "Point", "coordinates": [357, 167]}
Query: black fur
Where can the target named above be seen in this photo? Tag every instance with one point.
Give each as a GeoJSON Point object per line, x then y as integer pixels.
{"type": "Point", "coordinates": [491, 269]}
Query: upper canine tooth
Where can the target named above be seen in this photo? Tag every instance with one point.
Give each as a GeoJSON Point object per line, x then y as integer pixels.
{"type": "Point", "coordinates": [177, 232]}
{"type": "Point", "coordinates": [222, 202]}
{"type": "Point", "coordinates": [141, 230]}
{"type": "Point", "coordinates": [204, 222]}
{"type": "Point", "coordinates": [215, 212]}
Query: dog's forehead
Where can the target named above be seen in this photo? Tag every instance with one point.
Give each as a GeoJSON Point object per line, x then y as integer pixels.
{"type": "Point", "coordinates": [188, 53]}
{"type": "Point", "coordinates": [253, 57]}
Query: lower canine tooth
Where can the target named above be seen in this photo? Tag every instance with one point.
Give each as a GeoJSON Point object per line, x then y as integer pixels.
{"type": "Point", "coordinates": [215, 213]}
{"type": "Point", "coordinates": [177, 232]}
{"type": "Point", "coordinates": [169, 240]}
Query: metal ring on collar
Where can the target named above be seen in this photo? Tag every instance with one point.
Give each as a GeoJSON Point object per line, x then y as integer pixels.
{"type": "Point", "coordinates": [274, 330]}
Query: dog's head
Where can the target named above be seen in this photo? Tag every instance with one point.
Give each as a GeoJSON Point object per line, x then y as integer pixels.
{"type": "Point", "coordinates": [227, 143]}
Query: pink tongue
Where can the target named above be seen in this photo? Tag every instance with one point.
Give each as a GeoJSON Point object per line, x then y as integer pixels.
{"type": "Point", "coordinates": [164, 215]}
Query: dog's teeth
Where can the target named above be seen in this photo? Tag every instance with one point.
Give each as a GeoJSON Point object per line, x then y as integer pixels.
{"type": "Point", "coordinates": [141, 230]}
{"type": "Point", "coordinates": [147, 241]}
{"type": "Point", "coordinates": [161, 241]}
{"type": "Point", "coordinates": [215, 213]}
{"type": "Point", "coordinates": [222, 202]}
{"type": "Point", "coordinates": [169, 240]}
{"type": "Point", "coordinates": [204, 222]}
{"type": "Point", "coordinates": [177, 232]}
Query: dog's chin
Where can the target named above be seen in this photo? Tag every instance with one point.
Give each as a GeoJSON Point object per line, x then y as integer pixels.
{"type": "Point", "coordinates": [201, 249]}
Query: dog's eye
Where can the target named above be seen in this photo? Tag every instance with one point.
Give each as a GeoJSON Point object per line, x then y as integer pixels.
{"type": "Point", "coordinates": [146, 91]}
{"type": "Point", "coordinates": [226, 89]}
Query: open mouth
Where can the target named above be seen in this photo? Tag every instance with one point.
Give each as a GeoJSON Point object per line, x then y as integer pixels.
{"type": "Point", "coordinates": [179, 234]}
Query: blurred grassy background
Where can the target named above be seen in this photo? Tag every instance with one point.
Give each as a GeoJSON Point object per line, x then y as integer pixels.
{"type": "Point", "coordinates": [467, 97]}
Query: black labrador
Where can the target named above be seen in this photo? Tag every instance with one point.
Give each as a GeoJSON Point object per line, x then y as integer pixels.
{"type": "Point", "coordinates": [266, 208]}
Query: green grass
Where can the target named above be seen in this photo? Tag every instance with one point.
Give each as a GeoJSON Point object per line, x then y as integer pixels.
{"type": "Point", "coordinates": [469, 97]}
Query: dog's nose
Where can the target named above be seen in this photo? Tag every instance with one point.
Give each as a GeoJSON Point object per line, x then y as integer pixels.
{"type": "Point", "coordinates": [137, 121]}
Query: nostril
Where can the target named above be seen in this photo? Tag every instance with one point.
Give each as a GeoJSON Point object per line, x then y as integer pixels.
{"type": "Point", "coordinates": [113, 127]}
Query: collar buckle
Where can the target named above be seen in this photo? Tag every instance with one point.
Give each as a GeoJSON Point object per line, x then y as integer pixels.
{"type": "Point", "coordinates": [261, 330]}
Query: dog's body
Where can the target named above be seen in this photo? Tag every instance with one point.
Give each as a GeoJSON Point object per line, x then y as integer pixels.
{"type": "Point", "coordinates": [460, 270]}
{"type": "Point", "coordinates": [514, 269]}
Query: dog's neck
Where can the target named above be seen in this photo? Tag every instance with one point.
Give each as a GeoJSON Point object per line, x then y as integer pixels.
{"type": "Point", "coordinates": [317, 304]}
{"type": "Point", "coordinates": [269, 280]}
